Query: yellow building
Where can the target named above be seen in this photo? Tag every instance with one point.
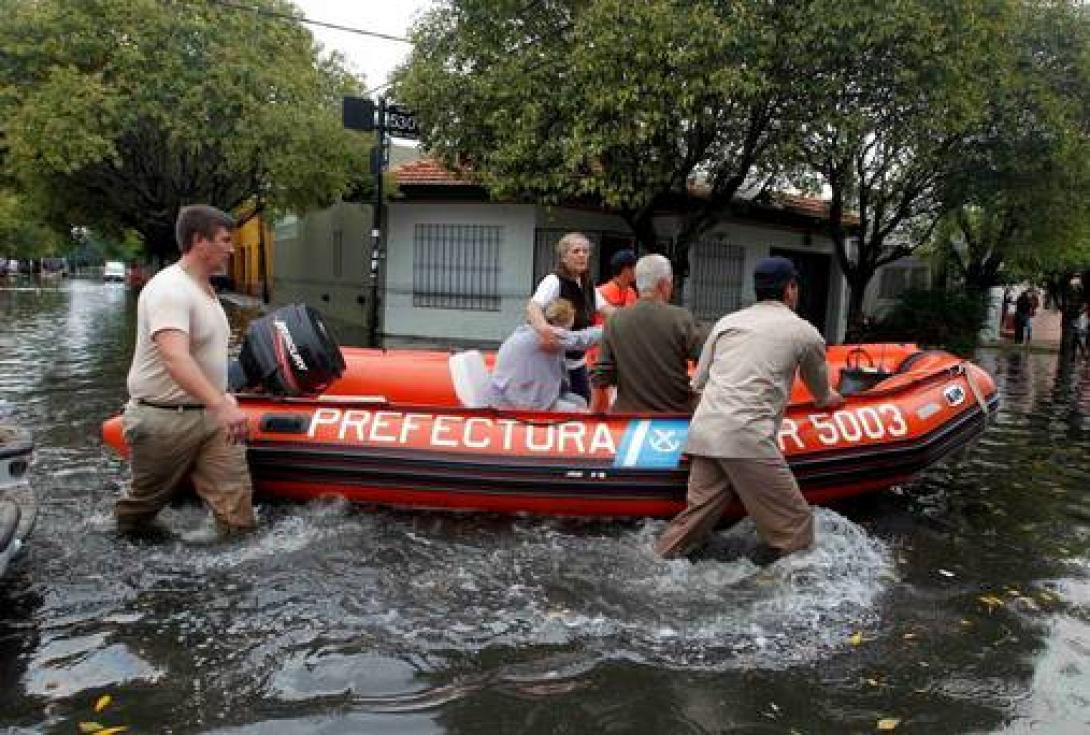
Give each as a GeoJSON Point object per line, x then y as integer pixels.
{"type": "Point", "coordinates": [246, 268]}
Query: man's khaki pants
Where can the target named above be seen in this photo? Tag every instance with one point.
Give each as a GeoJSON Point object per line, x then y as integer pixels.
{"type": "Point", "coordinates": [169, 447]}
{"type": "Point", "coordinates": [766, 488]}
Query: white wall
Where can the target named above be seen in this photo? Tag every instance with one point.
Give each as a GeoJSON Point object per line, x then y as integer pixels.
{"type": "Point", "coordinates": [759, 240]}
{"type": "Point", "coordinates": [405, 323]}
{"type": "Point", "coordinates": [323, 259]}
{"type": "Point", "coordinates": [873, 303]}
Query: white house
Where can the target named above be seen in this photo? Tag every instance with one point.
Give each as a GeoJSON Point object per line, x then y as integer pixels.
{"type": "Point", "coordinates": [460, 267]}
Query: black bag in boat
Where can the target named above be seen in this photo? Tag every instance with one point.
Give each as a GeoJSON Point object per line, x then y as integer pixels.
{"type": "Point", "coordinates": [290, 352]}
{"type": "Point", "coordinates": [856, 377]}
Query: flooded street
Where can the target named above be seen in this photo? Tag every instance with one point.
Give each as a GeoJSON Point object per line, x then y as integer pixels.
{"type": "Point", "coordinates": [958, 604]}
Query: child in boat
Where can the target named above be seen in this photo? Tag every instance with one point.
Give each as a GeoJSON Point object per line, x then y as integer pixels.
{"type": "Point", "coordinates": [528, 376]}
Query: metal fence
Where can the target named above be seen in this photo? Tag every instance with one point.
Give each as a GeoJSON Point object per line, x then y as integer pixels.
{"type": "Point", "coordinates": [716, 274]}
{"type": "Point", "coordinates": [457, 266]}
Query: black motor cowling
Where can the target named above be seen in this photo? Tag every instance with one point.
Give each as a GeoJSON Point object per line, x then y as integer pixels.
{"type": "Point", "coordinates": [290, 352]}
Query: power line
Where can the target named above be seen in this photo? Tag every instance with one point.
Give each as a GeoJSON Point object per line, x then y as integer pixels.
{"type": "Point", "coordinates": [308, 21]}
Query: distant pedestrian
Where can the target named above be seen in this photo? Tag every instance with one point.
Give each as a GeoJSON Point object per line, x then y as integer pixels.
{"type": "Point", "coordinates": [1082, 331]}
{"type": "Point", "coordinates": [1023, 306]}
{"type": "Point", "coordinates": [181, 423]}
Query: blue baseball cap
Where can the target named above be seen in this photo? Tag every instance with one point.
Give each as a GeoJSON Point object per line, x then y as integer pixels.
{"type": "Point", "coordinates": [774, 272]}
{"type": "Point", "coordinates": [622, 259]}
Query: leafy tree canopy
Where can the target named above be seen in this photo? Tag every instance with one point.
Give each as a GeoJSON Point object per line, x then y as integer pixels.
{"type": "Point", "coordinates": [896, 88]}
{"type": "Point", "coordinates": [22, 234]}
{"type": "Point", "coordinates": [608, 101]}
{"type": "Point", "coordinates": [1019, 195]}
{"type": "Point", "coordinates": [115, 113]}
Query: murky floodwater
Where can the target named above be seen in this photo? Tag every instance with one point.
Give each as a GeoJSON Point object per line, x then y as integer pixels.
{"type": "Point", "coordinates": [961, 604]}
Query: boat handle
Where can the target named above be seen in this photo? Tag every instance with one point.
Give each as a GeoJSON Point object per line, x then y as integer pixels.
{"type": "Point", "coordinates": [977, 394]}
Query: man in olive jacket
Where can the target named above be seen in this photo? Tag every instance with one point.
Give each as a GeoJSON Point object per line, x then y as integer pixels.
{"type": "Point", "coordinates": [745, 374]}
{"type": "Point", "coordinates": [646, 348]}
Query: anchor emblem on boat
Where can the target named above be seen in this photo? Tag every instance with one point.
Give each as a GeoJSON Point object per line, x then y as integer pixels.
{"type": "Point", "coordinates": [664, 440]}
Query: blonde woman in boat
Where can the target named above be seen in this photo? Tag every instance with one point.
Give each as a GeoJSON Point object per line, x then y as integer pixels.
{"type": "Point", "coordinates": [529, 376]}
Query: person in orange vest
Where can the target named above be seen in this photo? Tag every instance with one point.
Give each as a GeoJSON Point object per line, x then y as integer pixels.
{"type": "Point", "coordinates": [620, 289]}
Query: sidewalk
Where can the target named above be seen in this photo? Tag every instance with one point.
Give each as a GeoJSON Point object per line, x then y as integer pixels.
{"type": "Point", "coordinates": [1046, 332]}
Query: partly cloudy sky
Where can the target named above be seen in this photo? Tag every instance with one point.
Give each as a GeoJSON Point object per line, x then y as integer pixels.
{"type": "Point", "coordinates": [373, 57]}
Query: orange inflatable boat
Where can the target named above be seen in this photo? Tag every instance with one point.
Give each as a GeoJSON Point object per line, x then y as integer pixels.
{"type": "Point", "coordinates": [404, 428]}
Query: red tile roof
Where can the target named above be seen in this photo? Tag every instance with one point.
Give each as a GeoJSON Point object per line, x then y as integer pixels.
{"type": "Point", "coordinates": [810, 206]}
{"type": "Point", "coordinates": [429, 172]}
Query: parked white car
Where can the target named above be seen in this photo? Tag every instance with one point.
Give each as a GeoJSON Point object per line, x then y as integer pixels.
{"type": "Point", "coordinates": [114, 271]}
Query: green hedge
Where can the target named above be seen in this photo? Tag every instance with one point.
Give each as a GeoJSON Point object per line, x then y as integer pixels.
{"type": "Point", "coordinates": [933, 318]}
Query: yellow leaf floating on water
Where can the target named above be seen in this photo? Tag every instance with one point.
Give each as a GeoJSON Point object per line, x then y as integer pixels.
{"type": "Point", "coordinates": [113, 730]}
{"type": "Point", "coordinates": [856, 639]}
{"type": "Point", "coordinates": [103, 702]}
{"type": "Point", "coordinates": [888, 724]}
{"type": "Point", "coordinates": [89, 727]}
{"type": "Point", "coordinates": [991, 601]}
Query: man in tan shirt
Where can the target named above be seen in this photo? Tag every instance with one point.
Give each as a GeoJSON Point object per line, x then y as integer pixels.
{"type": "Point", "coordinates": [745, 374]}
{"type": "Point", "coordinates": [180, 422]}
{"type": "Point", "coordinates": [646, 348]}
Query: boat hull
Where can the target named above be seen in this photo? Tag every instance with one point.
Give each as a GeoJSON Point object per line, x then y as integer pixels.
{"type": "Point", "coordinates": [16, 517]}
{"type": "Point", "coordinates": [370, 449]}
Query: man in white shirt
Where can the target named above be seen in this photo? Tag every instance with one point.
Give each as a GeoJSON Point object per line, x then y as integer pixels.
{"type": "Point", "coordinates": [180, 423]}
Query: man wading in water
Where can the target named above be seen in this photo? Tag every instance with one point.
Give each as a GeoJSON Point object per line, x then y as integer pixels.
{"type": "Point", "coordinates": [180, 422]}
{"type": "Point", "coordinates": [745, 372]}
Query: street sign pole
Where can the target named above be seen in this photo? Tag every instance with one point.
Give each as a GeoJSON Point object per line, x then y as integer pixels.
{"type": "Point", "coordinates": [376, 224]}
{"type": "Point", "coordinates": [359, 113]}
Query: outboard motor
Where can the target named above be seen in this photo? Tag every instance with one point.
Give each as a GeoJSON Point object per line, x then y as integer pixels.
{"type": "Point", "coordinates": [290, 352]}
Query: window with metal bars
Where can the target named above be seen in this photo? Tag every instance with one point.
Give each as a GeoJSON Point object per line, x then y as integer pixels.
{"type": "Point", "coordinates": [457, 266]}
{"type": "Point", "coordinates": [716, 271]}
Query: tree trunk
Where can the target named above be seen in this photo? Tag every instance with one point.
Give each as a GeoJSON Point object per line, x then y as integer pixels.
{"type": "Point", "coordinates": [159, 243]}
{"type": "Point", "coordinates": [857, 322]}
{"type": "Point", "coordinates": [642, 223]}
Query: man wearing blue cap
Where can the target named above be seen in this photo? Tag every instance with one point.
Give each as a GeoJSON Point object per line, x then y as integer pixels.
{"type": "Point", "coordinates": [744, 375]}
{"type": "Point", "coordinates": [618, 290]}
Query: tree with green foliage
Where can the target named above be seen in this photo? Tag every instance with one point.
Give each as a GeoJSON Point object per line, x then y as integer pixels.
{"type": "Point", "coordinates": [115, 113]}
{"type": "Point", "coordinates": [619, 104]}
{"type": "Point", "coordinates": [1017, 196]}
{"type": "Point", "coordinates": [22, 234]}
{"type": "Point", "coordinates": [895, 89]}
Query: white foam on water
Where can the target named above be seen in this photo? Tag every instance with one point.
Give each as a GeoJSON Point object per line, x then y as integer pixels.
{"type": "Point", "coordinates": [420, 584]}
{"type": "Point", "coordinates": [542, 585]}
{"type": "Point", "coordinates": [200, 547]}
